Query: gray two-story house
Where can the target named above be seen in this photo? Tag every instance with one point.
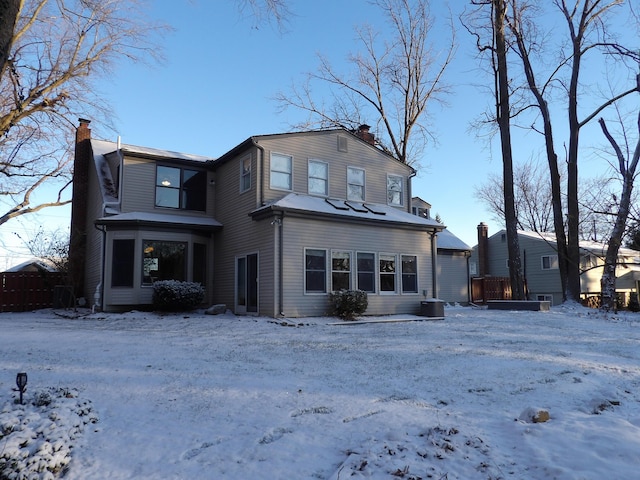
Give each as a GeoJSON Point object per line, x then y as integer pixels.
{"type": "Point", "coordinates": [270, 227]}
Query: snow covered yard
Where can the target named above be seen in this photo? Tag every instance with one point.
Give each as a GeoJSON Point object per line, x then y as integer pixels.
{"type": "Point", "coordinates": [152, 396]}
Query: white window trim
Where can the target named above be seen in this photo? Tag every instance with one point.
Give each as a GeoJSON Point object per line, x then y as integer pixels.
{"type": "Point", "coordinates": [546, 297]}
{"type": "Point", "coordinates": [364, 184]}
{"type": "Point", "coordinates": [417, 292]}
{"type": "Point", "coordinates": [395, 274]}
{"type": "Point", "coordinates": [375, 271]}
{"type": "Point", "coordinates": [327, 270]}
{"type": "Point", "coordinates": [551, 263]}
{"type": "Point", "coordinates": [243, 175]}
{"type": "Point", "coordinates": [389, 175]}
{"type": "Point", "coordinates": [326, 190]}
{"type": "Point", "coordinates": [278, 171]}
{"type": "Point", "coordinates": [331, 271]}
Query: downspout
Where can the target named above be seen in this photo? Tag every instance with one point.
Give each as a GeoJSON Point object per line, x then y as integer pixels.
{"type": "Point", "coordinates": [281, 264]}
{"type": "Point", "coordinates": [120, 174]}
{"type": "Point", "coordinates": [434, 263]}
{"type": "Point", "coordinates": [98, 296]}
{"type": "Point", "coordinates": [261, 176]}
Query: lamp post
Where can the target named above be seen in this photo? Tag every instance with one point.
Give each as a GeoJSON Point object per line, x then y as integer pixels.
{"type": "Point", "coordinates": [21, 382]}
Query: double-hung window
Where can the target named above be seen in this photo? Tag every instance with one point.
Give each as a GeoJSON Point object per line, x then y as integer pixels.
{"type": "Point", "coordinates": [394, 190]}
{"type": "Point", "coordinates": [550, 262]}
{"type": "Point", "coordinates": [387, 273]}
{"type": "Point", "coordinates": [245, 174]}
{"type": "Point", "coordinates": [340, 271]}
{"type": "Point", "coordinates": [281, 171]}
{"type": "Point", "coordinates": [366, 265]}
{"type": "Point", "coordinates": [182, 188]}
{"type": "Point", "coordinates": [315, 270]}
{"type": "Point", "coordinates": [409, 274]}
{"type": "Point", "coordinates": [355, 184]}
{"type": "Point", "coordinates": [318, 178]}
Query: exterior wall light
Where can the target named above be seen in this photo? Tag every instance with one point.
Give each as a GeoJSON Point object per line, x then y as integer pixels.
{"type": "Point", "coordinates": [21, 382]}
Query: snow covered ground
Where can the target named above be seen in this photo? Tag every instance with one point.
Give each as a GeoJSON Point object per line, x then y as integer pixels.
{"type": "Point", "coordinates": [192, 396]}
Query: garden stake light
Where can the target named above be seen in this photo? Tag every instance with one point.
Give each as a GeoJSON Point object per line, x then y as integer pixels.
{"type": "Point", "coordinates": [21, 382]}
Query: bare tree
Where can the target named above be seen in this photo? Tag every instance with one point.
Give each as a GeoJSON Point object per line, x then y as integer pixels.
{"type": "Point", "coordinates": [627, 165]}
{"type": "Point", "coordinates": [393, 82]}
{"type": "Point", "coordinates": [267, 10]}
{"type": "Point", "coordinates": [58, 49]}
{"type": "Point", "coordinates": [532, 197]}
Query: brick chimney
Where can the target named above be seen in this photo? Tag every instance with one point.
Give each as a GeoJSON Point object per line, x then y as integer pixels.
{"type": "Point", "coordinates": [363, 133]}
{"type": "Point", "coordinates": [78, 235]}
{"type": "Point", "coordinates": [483, 249]}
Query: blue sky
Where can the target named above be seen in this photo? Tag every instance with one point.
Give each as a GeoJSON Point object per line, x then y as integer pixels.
{"type": "Point", "coordinates": [220, 75]}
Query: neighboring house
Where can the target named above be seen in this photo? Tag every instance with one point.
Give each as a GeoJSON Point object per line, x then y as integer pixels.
{"type": "Point", "coordinates": [33, 265]}
{"type": "Point", "coordinates": [452, 260]}
{"type": "Point", "coordinates": [269, 228]}
{"type": "Point", "coordinates": [540, 264]}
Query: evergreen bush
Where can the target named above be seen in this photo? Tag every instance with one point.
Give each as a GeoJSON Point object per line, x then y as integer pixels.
{"type": "Point", "coordinates": [174, 295]}
{"type": "Point", "coordinates": [348, 304]}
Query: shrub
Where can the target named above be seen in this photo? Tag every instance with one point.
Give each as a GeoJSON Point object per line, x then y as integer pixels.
{"type": "Point", "coordinates": [348, 304]}
{"type": "Point", "coordinates": [173, 295]}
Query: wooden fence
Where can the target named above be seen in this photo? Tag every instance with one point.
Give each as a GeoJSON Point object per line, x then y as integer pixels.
{"type": "Point", "coordinates": [490, 288]}
{"type": "Point", "coordinates": [24, 291]}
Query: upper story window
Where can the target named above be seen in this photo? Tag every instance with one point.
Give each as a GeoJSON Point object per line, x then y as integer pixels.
{"type": "Point", "coordinates": [281, 171]}
{"type": "Point", "coordinates": [245, 174]}
{"type": "Point", "coordinates": [318, 177]}
{"type": "Point", "coordinates": [355, 184]}
{"type": "Point", "coordinates": [550, 262]}
{"type": "Point", "coordinates": [181, 188]}
{"type": "Point", "coordinates": [394, 190]}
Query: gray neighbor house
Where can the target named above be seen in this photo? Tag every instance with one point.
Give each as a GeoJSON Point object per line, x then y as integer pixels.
{"type": "Point", "coordinates": [489, 258]}
{"type": "Point", "coordinates": [269, 228]}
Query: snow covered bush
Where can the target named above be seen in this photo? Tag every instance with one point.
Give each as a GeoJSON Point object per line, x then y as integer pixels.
{"type": "Point", "coordinates": [348, 304]}
{"type": "Point", "coordinates": [173, 295]}
{"type": "Point", "coordinates": [37, 438]}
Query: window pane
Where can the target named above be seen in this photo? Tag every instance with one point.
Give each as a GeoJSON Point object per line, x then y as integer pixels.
{"type": "Point", "coordinates": [315, 271]}
{"type": "Point", "coordinates": [245, 181]}
{"type": "Point", "coordinates": [409, 274]}
{"type": "Point", "coordinates": [167, 197]}
{"type": "Point", "coordinates": [163, 261]}
{"type": "Point", "coordinates": [122, 263]}
{"type": "Point", "coordinates": [355, 192]}
{"type": "Point", "coordinates": [317, 186]}
{"type": "Point", "coordinates": [194, 193]}
{"type": "Point", "coordinates": [340, 271]}
{"type": "Point", "coordinates": [366, 272]}
{"type": "Point", "coordinates": [168, 177]}
{"type": "Point", "coordinates": [281, 163]}
{"type": "Point", "coordinates": [387, 273]}
{"type": "Point", "coordinates": [394, 190]}
{"type": "Point", "coordinates": [281, 180]}
{"type": "Point", "coordinates": [355, 176]}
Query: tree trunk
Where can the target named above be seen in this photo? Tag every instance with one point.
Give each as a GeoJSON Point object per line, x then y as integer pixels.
{"type": "Point", "coordinates": [9, 10]}
{"type": "Point", "coordinates": [628, 172]}
{"type": "Point", "coordinates": [504, 119]}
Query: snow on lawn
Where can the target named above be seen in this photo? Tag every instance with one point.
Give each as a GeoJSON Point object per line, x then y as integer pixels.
{"type": "Point", "coordinates": [141, 395]}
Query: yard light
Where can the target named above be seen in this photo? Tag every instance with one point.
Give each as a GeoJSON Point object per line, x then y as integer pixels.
{"type": "Point", "coordinates": [21, 382]}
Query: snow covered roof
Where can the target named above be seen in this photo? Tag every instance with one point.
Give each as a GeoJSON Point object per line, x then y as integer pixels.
{"type": "Point", "coordinates": [102, 147]}
{"type": "Point", "coordinates": [308, 204]}
{"type": "Point", "coordinates": [165, 219]}
{"type": "Point", "coordinates": [448, 241]}
{"type": "Point", "coordinates": [34, 263]}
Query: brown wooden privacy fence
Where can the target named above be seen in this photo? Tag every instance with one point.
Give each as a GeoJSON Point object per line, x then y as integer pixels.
{"type": "Point", "coordinates": [490, 288]}
{"type": "Point", "coordinates": [24, 291]}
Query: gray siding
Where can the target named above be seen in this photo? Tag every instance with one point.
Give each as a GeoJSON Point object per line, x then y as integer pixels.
{"type": "Point", "coordinates": [93, 257]}
{"type": "Point", "coordinates": [453, 281]}
{"type": "Point", "coordinates": [301, 233]}
{"type": "Point", "coordinates": [324, 146]}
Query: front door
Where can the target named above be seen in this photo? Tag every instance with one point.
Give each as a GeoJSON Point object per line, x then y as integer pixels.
{"type": "Point", "coordinates": [247, 284]}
